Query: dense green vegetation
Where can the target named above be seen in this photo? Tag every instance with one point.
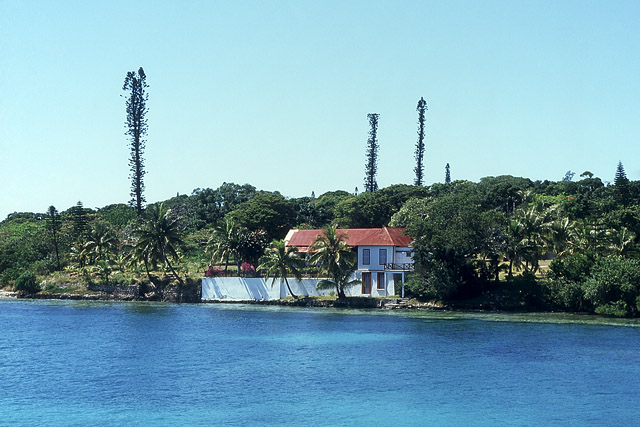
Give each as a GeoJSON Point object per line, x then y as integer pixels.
{"type": "Point", "coordinates": [505, 242]}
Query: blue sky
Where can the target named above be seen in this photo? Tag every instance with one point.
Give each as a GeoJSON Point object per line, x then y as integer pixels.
{"type": "Point", "coordinates": [276, 94]}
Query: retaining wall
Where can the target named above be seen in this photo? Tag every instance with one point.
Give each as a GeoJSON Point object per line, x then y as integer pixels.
{"type": "Point", "coordinates": [259, 289]}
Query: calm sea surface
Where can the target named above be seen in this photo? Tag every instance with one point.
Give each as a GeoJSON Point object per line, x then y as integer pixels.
{"type": "Point", "coordinates": [81, 363]}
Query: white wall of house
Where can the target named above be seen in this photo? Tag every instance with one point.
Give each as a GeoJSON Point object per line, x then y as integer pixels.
{"type": "Point", "coordinates": [382, 283]}
{"type": "Point", "coordinates": [403, 255]}
{"type": "Point", "coordinates": [375, 263]}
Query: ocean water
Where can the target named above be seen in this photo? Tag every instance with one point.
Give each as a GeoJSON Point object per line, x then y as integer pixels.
{"type": "Point", "coordinates": [88, 363]}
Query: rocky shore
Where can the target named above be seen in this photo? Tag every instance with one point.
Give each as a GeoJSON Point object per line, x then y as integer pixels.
{"type": "Point", "coordinates": [350, 302]}
{"type": "Point", "coordinates": [190, 293]}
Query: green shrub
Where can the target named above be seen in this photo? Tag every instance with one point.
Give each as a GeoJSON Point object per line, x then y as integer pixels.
{"type": "Point", "coordinates": [86, 276]}
{"type": "Point", "coordinates": [437, 282]}
{"type": "Point", "coordinates": [9, 276]}
{"type": "Point", "coordinates": [614, 286]}
{"type": "Point", "coordinates": [26, 282]}
{"type": "Point", "coordinates": [565, 295]}
{"type": "Point", "coordinates": [565, 287]}
{"type": "Point", "coordinates": [617, 309]}
{"type": "Point", "coordinates": [573, 268]}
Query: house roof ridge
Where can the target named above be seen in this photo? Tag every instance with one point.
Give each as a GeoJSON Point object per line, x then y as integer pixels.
{"type": "Point", "coordinates": [388, 235]}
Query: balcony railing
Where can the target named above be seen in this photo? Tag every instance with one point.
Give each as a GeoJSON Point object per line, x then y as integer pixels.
{"type": "Point", "coordinates": [399, 267]}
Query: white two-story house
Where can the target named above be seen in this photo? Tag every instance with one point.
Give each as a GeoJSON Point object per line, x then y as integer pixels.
{"type": "Point", "coordinates": [384, 256]}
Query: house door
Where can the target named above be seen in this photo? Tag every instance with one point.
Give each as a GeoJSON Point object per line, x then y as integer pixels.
{"type": "Point", "coordinates": [398, 283]}
{"type": "Point", "coordinates": [366, 283]}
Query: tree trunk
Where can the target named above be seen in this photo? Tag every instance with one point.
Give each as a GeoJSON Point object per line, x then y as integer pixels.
{"type": "Point", "coordinates": [289, 288]}
{"type": "Point", "coordinates": [55, 245]}
{"type": "Point", "coordinates": [146, 267]}
{"type": "Point", "coordinates": [180, 282]}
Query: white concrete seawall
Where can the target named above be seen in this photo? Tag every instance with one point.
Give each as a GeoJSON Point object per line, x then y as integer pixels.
{"type": "Point", "coordinates": [240, 288]}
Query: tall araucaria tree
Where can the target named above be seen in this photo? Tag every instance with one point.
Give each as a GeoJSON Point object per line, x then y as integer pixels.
{"type": "Point", "coordinates": [621, 187]}
{"type": "Point", "coordinates": [135, 84]}
{"type": "Point", "coordinates": [371, 167]}
{"type": "Point", "coordinates": [54, 228]}
{"type": "Point", "coordinates": [79, 222]}
{"type": "Point", "coordinates": [447, 174]}
{"type": "Point", "coordinates": [419, 169]}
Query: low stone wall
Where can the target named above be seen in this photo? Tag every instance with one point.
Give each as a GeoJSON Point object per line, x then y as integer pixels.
{"type": "Point", "coordinates": [191, 292]}
{"type": "Point", "coordinates": [79, 297]}
{"type": "Point", "coordinates": [115, 289]}
{"type": "Point", "coordinates": [349, 302]}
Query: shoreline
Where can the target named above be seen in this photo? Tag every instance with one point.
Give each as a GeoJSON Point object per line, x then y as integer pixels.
{"type": "Point", "coordinates": [350, 302]}
{"type": "Point", "coordinates": [354, 303]}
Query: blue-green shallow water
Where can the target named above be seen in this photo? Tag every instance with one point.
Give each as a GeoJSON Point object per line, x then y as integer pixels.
{"type": "Point", "coordinates": [79, 363]}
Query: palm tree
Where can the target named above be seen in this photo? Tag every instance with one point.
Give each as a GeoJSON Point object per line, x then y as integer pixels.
{"type": "Point", "coordinates": [158, 237]}
{"type": "Point", "coordinates": [334, 256]}
{"type": "Point", "coordinates": [592, 237]}
{"type": "Point", "coordinates": [562, 236]}
{"type": "Point", "coordinates": [621, 242]}
{"type": "Point", "coordinates": [102, 243]}
{"type": "Point", "coordinates": [78, 254]}
{"type": "Point", "coordinates": [221, 243]}
{"type": "Point", "coordinates": [514, 248]}
{"type": "Point", "coordinates": [279, 261]}
{"type": "Point", "coordinates": [533, 222]}
{"type": "Point", "coordinates": [145, 252]}
{"type": "Point", "coordinates": [340, 282]}
{"type": "Point", "coordinates": [239, 242]}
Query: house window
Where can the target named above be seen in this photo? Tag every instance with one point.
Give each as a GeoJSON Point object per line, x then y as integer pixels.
{"type": "Point", "coordinates": [382, 284]}
{"type": "Point", "coordinates": [383, 256]}
{"type": "Point", "coordinates": [366, 283]}
{"type": "Point", "coordinates": [366, 256]}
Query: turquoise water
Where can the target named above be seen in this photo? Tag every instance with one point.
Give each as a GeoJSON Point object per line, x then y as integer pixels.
{"type": "Point", "coordinates": [80, 363]}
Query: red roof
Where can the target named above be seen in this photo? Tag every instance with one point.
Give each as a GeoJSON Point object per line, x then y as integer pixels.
{"type": "Point", "coordinates": [385, 236]}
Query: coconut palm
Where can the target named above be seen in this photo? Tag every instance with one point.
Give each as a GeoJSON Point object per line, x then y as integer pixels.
{"type": "Point", "coordinates": [621, 242]}
{"type": "Point", "coordinates": [100, 247]}
{"type": "Point", "coordinates": [102, 243]}
{"type": "Point", "coordinates": [514, 249]}
{"type": "Point", "coordinates": [221, 244]}
{"type": "Point", "coordinates": [592, 237]}
{"type": "Point", "coordinates": [145, 252]}
{"type": "Point", "coordinates": [334, 256]}
{"type": "Point", "coordinates": [239, 242]}
{"type": "Point", "coordinates": [343, 279]}
{"type": "Point", "coordinates": [279, 261]}
{"type": "Point", "coordinates": [78, 254]}
{"type": "Point", "coordinates": [158, 238]}
{"type": "Point", "coordinates": [534, 222]}
{"type": "Point", "coordinates": [561, 236]}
